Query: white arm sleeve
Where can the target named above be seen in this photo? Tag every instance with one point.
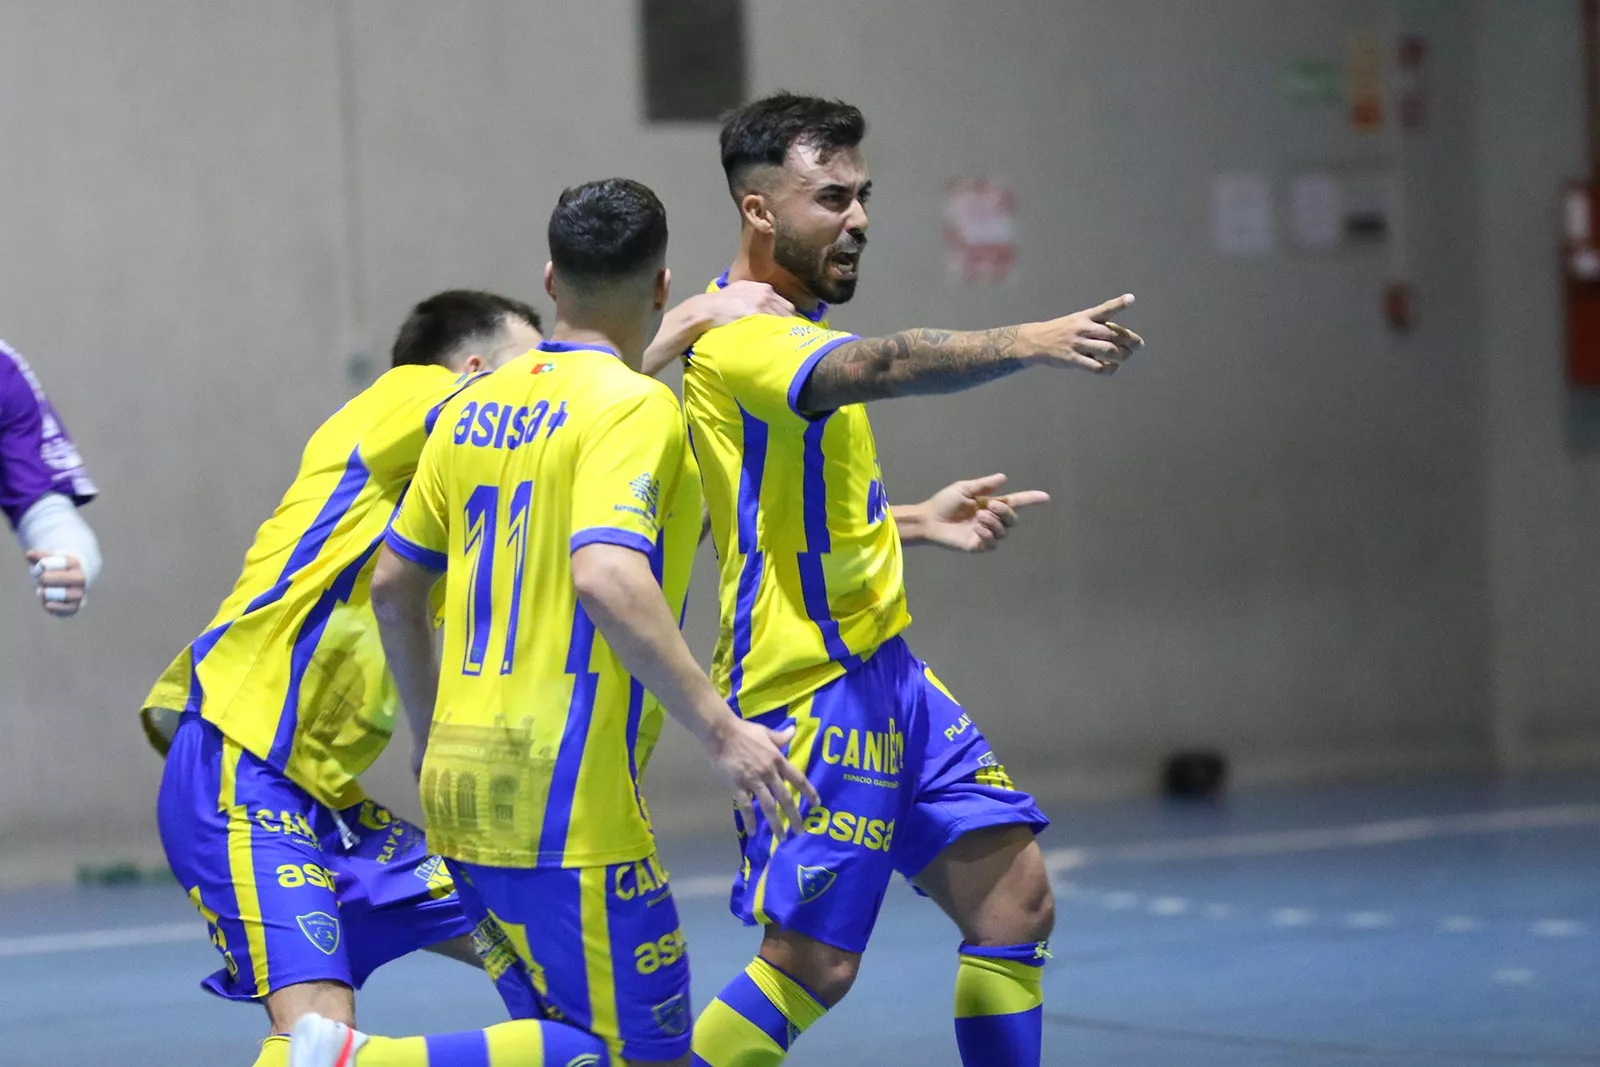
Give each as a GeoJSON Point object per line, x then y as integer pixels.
{"type": "Point", "coordinates": [54, 525]}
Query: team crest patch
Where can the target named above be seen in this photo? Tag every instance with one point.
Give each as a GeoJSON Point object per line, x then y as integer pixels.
{"type": "Point", "coordinates": [321, 929]}
{"type": "Point", "coordinates": [672, 1015]}
{"type": "Point", "coordinates": [814, 881]}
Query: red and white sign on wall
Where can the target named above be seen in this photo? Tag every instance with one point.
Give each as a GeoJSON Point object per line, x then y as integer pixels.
{"type": "Point", "coordinates": [980, 231]}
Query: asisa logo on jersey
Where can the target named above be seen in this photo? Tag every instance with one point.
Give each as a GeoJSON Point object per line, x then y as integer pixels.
{"type": "Point", "coordinates": [541, 368]}
{"type": "Point", "coordinates": [672, 1015]}
{"type": "Point", "coordinates": [321, 929]}
{"type": "Point", "coordinates": [814, 881]}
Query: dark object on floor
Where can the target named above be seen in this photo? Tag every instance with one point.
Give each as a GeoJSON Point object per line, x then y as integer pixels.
{"type": "Point", "coordinates": [1194, 774]}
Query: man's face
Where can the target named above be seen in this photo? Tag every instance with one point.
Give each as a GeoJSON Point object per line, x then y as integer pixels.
{"type": "Point", "coordinates": [819, 208]}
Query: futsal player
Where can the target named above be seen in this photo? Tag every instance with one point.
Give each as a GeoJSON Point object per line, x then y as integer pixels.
{"type": "Point", "coordinates": [43, 483]}
{"type": "Point", "coordinates": [561, 496]}
{"type": "Point", "coordinates": [813, 605]}
{"type": "Point", "coordinates": [269, 716]}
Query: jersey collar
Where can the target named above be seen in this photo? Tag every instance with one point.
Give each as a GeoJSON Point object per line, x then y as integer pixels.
{"type": "Point", "coordinates": [818, 315]}
{"type": "Point", "coordinates": [568, 346]}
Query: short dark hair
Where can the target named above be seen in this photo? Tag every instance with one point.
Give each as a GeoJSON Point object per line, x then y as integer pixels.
{"type": "Point", "coordinates": [445, 321]}
{"type": "Point", "coordinates": [608, 229]}
{"type": "Point", "coordinates": [761, 133]}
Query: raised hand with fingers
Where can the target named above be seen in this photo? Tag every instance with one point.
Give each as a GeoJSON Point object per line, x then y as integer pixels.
{"type": "Point", "coordinates": [967, 516]}
{"type": "Point", "coordinates": [751, 757]}
{"type": "Point", "coordinates": [1087, 340]}
{"type": "Point", "coordinates": [60, 581]}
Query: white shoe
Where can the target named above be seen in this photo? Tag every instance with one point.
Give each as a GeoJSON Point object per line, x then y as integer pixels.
{"type": "Point", "coordinates": [319, 1042]}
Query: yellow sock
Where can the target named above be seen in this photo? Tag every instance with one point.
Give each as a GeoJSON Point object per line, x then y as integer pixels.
{"type": "Point", "coordinates": [522, 1043]}
{"type": "Point", "coordinates": [754, 1020]}
{"type": "Point", "coordinates": [274, 1052]}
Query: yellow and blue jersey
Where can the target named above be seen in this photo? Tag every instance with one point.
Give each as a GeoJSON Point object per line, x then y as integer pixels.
{"type": "Point", "coordinates": [811, 568]}
{"type": "Point", "coordinates": [539, 733]}
{"type": "Point", "coordinates": [291, 668]}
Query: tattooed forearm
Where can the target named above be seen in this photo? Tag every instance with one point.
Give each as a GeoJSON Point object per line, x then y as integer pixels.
{"type": "Point", "coordinates": [909, 363]}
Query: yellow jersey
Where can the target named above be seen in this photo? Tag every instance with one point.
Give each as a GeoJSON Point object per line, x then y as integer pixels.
{"type": "Point", "coordinates": [539, 733]}
{"type": "Point", "coordinates": [291, 668]}
{"type": "Point", "coordinates": [811, 566]}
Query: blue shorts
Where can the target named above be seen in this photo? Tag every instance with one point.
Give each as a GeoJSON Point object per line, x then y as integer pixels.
{"type": "Point", "coordinates": [289, 894]}
{"type": "Point", "coordinates": [600, 946]}
{"type": "Point", "coordinates": [902, 772]}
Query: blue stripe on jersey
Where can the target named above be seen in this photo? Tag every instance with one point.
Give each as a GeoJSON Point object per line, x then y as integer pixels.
{"type": "Point", "coordinates": [813, 581]}
{"type": "Point", "coordinates": [333, 509]}
{"type": "Point", "coordinates": [814, 588]}
{"type": "Point", "coordinates": [467, 1049]}
{"type": "Point", "coordinates": [410, 550]}
{"type": "Point", "coordinates": [635, 717]}
{"type": "Point", "coordinates": [658, 557]}
{"type": "Point", "coordinates": [753, 469]}
{"type": "Point", "coordinates": [608, 535]}
{"type": "Point", "coordinates": [305, 646]}
{"type": "Point", "coordinates": [814, 489]}
{"type": "Point", "coordinates": [744, 606]}
{"type": "Point", "coordinates": [569, 756]}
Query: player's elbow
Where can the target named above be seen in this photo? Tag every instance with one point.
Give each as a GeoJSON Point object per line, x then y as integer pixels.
{"type": "Point", "coordinates": [603, 575]}
{"type": "Point", "coordinates": [393, 595]}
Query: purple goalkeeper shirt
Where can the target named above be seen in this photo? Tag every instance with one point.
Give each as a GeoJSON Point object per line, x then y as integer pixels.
{"type": "Point", "coordinates": [36, 455]}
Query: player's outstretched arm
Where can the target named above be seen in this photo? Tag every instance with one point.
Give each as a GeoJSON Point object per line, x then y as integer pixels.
{"type": "Point", "coordinates": [63, 552]}
{"type": "Point", "coordinates": [923, 361]}
{"type": "Point", "coordinates": [405, 624]}
{"type": "Point", "coordinates": [683, 325]}
{"type": "Point", "coordinates": [966, 516]}
{"type": "Point", "coordinates": [623, 598]}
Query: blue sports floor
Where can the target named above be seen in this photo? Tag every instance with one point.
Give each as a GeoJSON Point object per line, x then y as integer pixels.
{"type": "Point", "coordinates": [1450, 923]}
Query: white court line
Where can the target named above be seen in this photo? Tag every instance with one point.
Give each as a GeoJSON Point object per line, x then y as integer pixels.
{"type": "Point", "coordinates": [1513, 976]}
{"type": "Point", "coordinates": [1292, 917]}
{"type": "Point", "coordinates": [1360, 835]}
{"type": "Point", "coordinates": [89, 940]}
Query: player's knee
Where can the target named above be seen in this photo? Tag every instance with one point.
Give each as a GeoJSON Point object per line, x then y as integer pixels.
{"type": "Point", "coordinates": [832, 978]}
{"type": "Point", "coordinates": [1039, 912]}
{"type": "Point", "coordinates": [1033, 902]}
{"type": "Point", "coordinates": [827, 972]}
{"type": "Point", "coordinates": [331, 1000]}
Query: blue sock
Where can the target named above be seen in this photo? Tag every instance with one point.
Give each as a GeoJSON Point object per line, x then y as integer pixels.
{"type": "Point", "coordinates": [1000, 1005]}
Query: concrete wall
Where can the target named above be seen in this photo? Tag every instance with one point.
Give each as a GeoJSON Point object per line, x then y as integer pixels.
{"type": "Point", "coordinates": [1275, 533]}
